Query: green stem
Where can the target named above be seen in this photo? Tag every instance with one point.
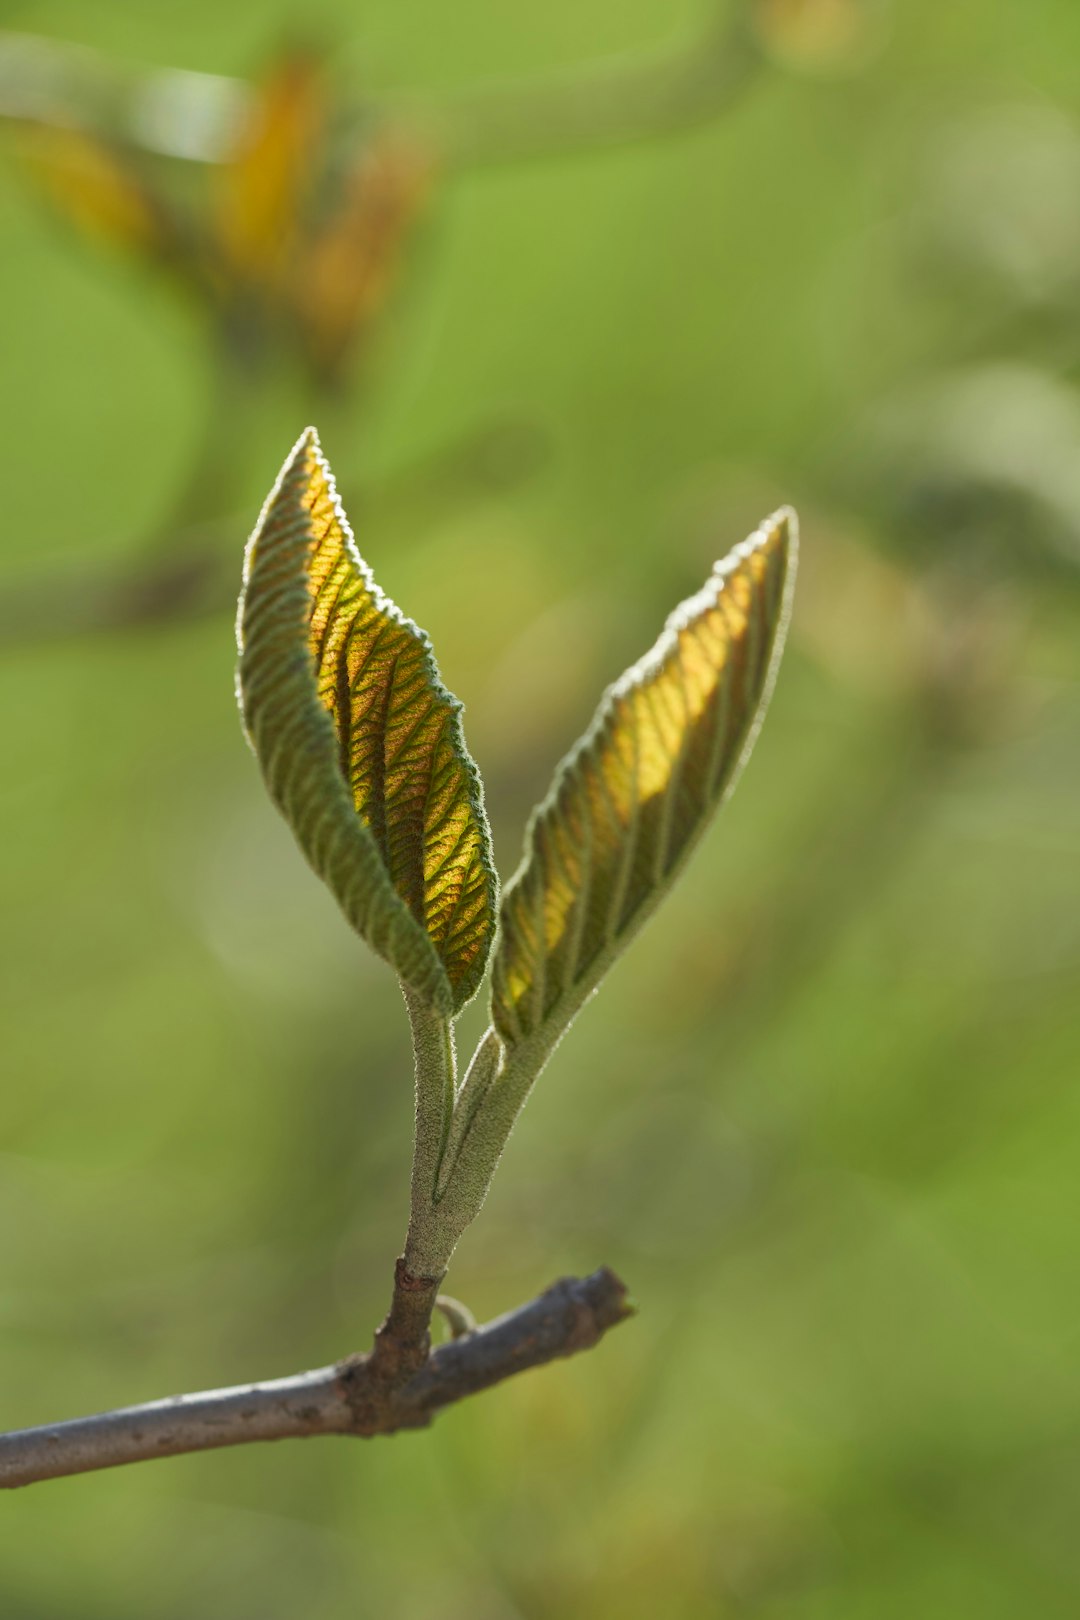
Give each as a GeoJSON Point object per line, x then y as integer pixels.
{"type": "Point", "coordinates": [436, 1073]}
{"type": "Point", "coordinates": [482, 1073]}
{"type": "Point", "coordinates": [487, 1109]}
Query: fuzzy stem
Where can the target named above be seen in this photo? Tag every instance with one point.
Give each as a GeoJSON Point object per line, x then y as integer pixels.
{"type": "Point", "coordinates": [487, 1110]}
{"type": "Point", "coordinates": [436, 1076]}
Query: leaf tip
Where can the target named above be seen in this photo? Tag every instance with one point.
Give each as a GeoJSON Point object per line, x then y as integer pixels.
{"type": "Point", "coordinates": [306, 450]}
{"type": "Point", "coordinates": [773, 551]}
{"type": "Point", "coordinates": [781, 530]}
{"type": "Point", "coordinates": [778, 534]}
{"type": "Point", "coordinates": [783, 524]}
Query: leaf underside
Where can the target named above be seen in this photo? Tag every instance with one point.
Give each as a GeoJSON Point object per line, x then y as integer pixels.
{"type": "Point", "coordinates": [359, 742]}
{"type": "Point", "coordinates": [628, 803]}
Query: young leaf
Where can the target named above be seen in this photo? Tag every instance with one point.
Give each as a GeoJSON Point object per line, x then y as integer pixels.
{"type": "Point", "coordinates": [630, 800]}
{"type": "Point", "coordinates": [360, 743]}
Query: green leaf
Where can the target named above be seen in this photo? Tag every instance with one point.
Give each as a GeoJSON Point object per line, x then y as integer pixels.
{"type": "Point", "coordinates": [360, 743]}
{"type": "Point", "coordinates": [631, 799]}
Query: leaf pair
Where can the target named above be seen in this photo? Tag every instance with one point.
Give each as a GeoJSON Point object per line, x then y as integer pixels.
{"type": "Point", "coordinates": [362, 749]}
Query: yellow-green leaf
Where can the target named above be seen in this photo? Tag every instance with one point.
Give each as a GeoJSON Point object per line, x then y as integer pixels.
{"type": "Point", "coordinates": [630, 800]}
{"type": "Point", "coordinates": [360, 743]}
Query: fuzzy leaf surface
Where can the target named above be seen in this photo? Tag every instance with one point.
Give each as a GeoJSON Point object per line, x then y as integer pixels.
{"type": "Point", "coordinates": [631, 799]}
{"type": "Point", "coordinates": [359, 742]}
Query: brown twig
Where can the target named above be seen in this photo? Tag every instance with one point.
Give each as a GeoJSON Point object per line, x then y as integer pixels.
{"type": "Point", "coordinates": [400, 1384]}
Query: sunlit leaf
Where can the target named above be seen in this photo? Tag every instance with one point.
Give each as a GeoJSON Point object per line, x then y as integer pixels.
{"type": "Point", "coordinates": [360, 744]}
{"type": "Point", "coordinates": [630, 800]}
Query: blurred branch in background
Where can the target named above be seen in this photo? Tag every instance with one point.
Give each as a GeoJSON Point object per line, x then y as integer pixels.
{"type": "Point", "coordinates": [289, 247]}
{"type": "Point", "coordinates": [615, 104]}
{"type": "Point", "coordinates": [191, 571]}
{"type": "Point", "coordinates": [179, 114]}
{"type": "Point", "coordinates": [291, 253]}
{"type": "Point", "coordinates": [200, 116]}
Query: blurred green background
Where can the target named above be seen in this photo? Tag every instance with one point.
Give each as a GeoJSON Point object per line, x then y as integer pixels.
{"type": "Point", "coordinates": [824, 1119]}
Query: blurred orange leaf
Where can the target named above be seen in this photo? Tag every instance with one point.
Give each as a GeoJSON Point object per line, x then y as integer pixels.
{"type": "Point", "coordinates": [100, 190]}
{"type": "Point", "coordinates": [264, 192]}
{"type": "Point", "coordinates": [350, 265]}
